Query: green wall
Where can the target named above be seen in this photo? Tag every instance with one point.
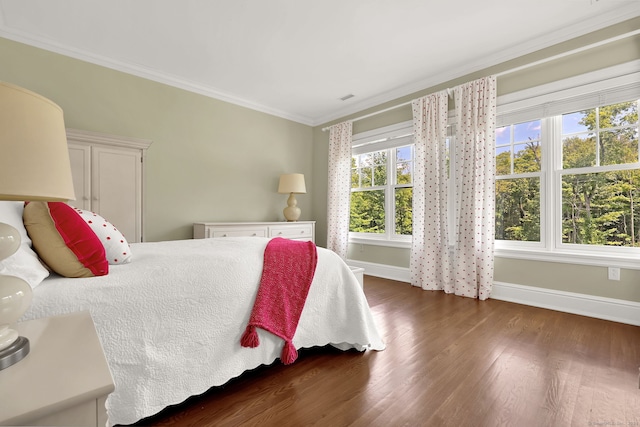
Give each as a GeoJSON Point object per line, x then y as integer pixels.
{"type": "Point", "coordinates": [210, 160]}
{"type": "Point", "coordinates": [559, 276]}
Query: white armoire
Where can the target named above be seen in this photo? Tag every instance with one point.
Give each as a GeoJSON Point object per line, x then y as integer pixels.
{"type": "Point", "coordinates": [108, 179]}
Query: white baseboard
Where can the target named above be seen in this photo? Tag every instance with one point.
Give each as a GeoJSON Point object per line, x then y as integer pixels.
{"type": "Point", "coordinates": [391, 272]}
{"type": "Point", "coordinates": [569, 302]}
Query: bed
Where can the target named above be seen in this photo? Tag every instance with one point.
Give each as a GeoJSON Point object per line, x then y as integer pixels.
{"type": "Point", "coordinates": [170, 321]}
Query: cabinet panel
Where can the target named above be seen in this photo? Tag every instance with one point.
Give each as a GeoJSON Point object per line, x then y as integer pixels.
{"type": "Point", "coordinates": [116, 189]}
{"type": "Point", "coordinates": [80, 159]}
{"type": "Point", "coordinates": [107, 178]}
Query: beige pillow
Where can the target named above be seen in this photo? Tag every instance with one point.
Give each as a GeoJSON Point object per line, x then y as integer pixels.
{"type": "Point", "coordinates": [64, 241]}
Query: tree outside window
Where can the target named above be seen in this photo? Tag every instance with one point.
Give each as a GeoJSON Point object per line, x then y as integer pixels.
{"type": "Point", "coordinates": [381, 192]}
{"type": "Point", "coordinates": [595, 177]}
{"type": "Point", "coordinates": [518, 172]}
{"type": "Point", "coordinates": [601, 176]}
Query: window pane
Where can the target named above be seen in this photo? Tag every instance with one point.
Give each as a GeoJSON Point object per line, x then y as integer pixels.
{"type": "Point", "coordinates": [503, 135]}
{"type": "Point", "coordinates": [380, 175]}
{"type": "Point", "coordinates": [365, 160]}
{"type": "Point", "coordinates": [623, 114]}
{"type": "Point", "coordinates": [527, 157]}
{"type": "Point", "coordinates": [355, 177]}
{"type": "Point", "coordinates": [579, 151]}
{"type": "Point", "coordinates": [601, 208]}
{"type": "Point", "coordinates": [526, 131]}
{"type": "Point", "coordinates": [609, 131]}
{"type": "Point", "coordinates": [574, 122]}
{"type": "Point", "coordinates": [379, 157]}
{"type": "Point", "coordinates": [367, 211]}
{"type": "Point", "coordinates": [403, 154]}
{"type": "Point", "coordinates": [403, 173]}
{"type": "Point", "coordinates": [618, 147]}
{"type": "Point", "coordinates": [404, 211]}
{"type": "Point", "coordinates": [518, 148]}
{"type": "Point", "coordinates": [366, 175]}
{"type": "Point", "coordinates": [503, 161]}
{"type": "Point", "coordinates": [518, 209]}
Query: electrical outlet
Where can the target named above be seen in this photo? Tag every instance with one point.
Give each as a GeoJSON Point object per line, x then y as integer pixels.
{"type": "Point", "coordinates": [614, 273]}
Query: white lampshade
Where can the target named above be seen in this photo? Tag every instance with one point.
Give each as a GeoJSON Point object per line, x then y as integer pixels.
{"type": "Point", "coordinates": [34, 165]}
{"type": "Point", "coordinates": [292, 183]}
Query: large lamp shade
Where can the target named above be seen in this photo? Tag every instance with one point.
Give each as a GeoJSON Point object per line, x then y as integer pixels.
{"type": "Point", "coordinates": [34, 160]}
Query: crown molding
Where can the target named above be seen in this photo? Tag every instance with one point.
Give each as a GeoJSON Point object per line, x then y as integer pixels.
{"type": "Point", "coordinates": [626, 11]}
{"type": "Point", "coordinates": [146, 73]}
{"type": "Point", "coordinates": [621, 14]}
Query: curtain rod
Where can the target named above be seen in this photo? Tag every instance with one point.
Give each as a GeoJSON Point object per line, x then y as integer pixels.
{"type": "Point", "coordinates": [515, 69]}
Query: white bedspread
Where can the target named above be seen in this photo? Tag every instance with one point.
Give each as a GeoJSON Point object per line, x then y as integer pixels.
{"type": "Point", "coordinates": [170, 321]}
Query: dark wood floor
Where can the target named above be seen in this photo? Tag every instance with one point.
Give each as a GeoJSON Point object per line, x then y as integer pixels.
{"type": "Point", "coordinates": [450, 361]}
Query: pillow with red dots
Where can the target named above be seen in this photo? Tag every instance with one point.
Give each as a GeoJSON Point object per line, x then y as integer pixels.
{"type": "Point", "coordinates": [115, 245]}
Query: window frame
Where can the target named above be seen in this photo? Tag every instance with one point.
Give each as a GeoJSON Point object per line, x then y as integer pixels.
{"type": "Point", "coordinates": [541, 175]}
{"type": "Point", "coordinates": [548, 102]}
{"type": "Point", "coordinates": [386, 138]}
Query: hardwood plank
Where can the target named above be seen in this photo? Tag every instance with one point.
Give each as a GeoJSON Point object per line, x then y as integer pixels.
{"type": "Point", "coordinates": [450, 361]}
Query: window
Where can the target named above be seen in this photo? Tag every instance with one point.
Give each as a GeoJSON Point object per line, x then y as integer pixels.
{"type": "Point", "coordinates": [382, 186]}
{"type": "Point", "coordinates": [518, 181]}
{"type": "Point", "coordinates": [568, 173]}
{"type": "Point", "coordinates": [600, 176]}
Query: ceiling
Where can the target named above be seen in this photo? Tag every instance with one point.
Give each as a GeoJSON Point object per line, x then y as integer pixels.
{"type": "Point", "coordinates": [297, 58]}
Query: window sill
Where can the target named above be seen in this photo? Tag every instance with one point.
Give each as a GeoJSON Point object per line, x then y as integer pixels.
{"type": "Point", "coordinates": [404, 244]}
{"type": "Point", "coordinates": [628, 261]}
{"type": "Point", "coordinates": [571, 257]}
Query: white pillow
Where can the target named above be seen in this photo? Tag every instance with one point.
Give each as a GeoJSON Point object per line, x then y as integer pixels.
{"type": "Point", "coordinates": [115, 245]}
{"type": "Point", "coordinates": [11, 213]}
{"type": "Point", "coordinates": [24, 263]}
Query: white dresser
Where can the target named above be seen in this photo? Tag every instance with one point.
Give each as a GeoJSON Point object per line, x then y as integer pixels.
{"type": "Point", "coordinates": [298, 230]}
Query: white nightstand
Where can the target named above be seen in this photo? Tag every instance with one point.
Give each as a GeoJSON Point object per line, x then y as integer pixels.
{"type": "Point", "coordinates": [63, 381]}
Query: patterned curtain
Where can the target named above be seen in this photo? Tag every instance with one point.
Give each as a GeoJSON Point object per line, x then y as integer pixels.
{"type": "Point", "coordinates": [339, 188]}
{"type": "Point", "coordinates": [475, 105]}
{"type": "Point", "coordinates": [429, 265]}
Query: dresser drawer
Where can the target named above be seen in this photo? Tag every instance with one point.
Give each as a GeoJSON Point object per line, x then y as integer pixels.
{"type": "Point", "coordinates": [237, 232]}
{"type": "Point", "coordinates": [302, 230]}
{"type": "Point", "coordinates": [298, 231]}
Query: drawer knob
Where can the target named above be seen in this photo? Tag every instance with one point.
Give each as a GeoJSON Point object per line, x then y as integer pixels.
{"type": "Point", "coordinates": [224, 235]}
{"type": "Point", "coordinates": [253, 235]}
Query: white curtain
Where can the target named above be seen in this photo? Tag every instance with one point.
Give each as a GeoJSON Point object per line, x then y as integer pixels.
{"type": "Point", "coordinates": [429, 265]}
{"type": "Point", "coordinates": [339, 188]}
{"type": "Point", "coordinates": [475, 105]}
{"type": "Point", "coordinates": [463, 266]}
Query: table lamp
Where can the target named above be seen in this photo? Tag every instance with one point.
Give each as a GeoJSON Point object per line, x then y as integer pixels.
{"type": "Point", "coordinates": [291, 184]}
{"type": "Point", "coordinates": [34, 165]}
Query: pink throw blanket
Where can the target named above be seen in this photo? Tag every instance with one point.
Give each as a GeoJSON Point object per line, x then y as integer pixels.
{"type": "Point", "coordinates": [288, 270]}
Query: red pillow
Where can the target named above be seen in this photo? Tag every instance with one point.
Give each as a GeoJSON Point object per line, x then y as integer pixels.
{"type": "Point", "coordinates": [64, 241]}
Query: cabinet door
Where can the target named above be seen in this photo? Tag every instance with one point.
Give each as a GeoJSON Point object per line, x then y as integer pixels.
{"type": "Point", "coordinates": [80, 159]}
{"type": "Point", "coordinates": [116, 188]}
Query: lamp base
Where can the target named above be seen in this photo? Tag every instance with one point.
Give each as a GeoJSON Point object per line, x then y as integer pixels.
{"type": "Point", "coordinates": [292, 211]}
{"type": "Point", "coordinates": [14, 353]}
